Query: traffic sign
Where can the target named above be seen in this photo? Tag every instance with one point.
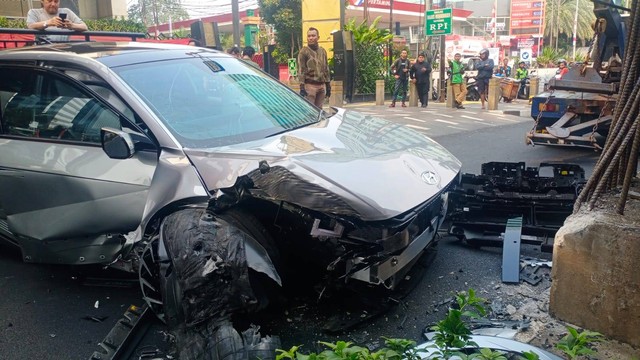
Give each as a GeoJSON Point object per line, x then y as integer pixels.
{"type": "Point", "coordinates": [525, 55]}
{"type": "Point", "coordinates": [293, 67]}
{"type": "Point", "coordinates": [438, 22]}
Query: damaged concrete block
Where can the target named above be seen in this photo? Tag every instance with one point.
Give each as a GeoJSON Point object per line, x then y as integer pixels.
{"type": "Point", "coordinates": [596, 282]}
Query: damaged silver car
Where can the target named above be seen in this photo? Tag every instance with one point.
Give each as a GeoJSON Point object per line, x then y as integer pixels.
{"type": "Point", "coordinates": [213, 180]}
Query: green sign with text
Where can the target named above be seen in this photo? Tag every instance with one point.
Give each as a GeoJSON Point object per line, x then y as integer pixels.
{"type": "Point", "coordinates": [438, 22]}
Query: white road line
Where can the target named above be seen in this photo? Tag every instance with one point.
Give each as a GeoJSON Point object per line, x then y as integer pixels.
{"type": "Point", "coordinates": [470, 117]}
{"type": "Point", "coordinates": [417, 127]}
{"type": "Point", "coordinates": [485, 123]}
{"type": "Point", "coordinates": [507, 120]}
{"type": "Point", "coordinates": [414, 119]}
{"type": "Point", "coordinates": [445, 115]}
{"type": "Point", "coordinates": [456, 127]}
{"type": "Point", "coordinates": [446, 122]}
{"type": "Point", "coordinates": [467, 111]}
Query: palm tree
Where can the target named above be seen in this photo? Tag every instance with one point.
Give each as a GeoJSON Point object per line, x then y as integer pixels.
{"type": "Point", "coordinates": [559, 17]}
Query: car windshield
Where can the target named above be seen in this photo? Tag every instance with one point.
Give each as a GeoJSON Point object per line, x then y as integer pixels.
{"type": "Point", "coordinates": [216, 101]}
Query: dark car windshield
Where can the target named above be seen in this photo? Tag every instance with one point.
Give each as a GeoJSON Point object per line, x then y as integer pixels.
{"type": "Point", "coordinates": [216, 101]}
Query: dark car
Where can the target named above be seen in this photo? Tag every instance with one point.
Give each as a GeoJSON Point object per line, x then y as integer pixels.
{"type": "Point", "coordinates": [213, 180]}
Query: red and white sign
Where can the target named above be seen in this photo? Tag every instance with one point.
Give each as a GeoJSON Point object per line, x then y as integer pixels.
{"type": "Point", "coordinates": [527, 17]}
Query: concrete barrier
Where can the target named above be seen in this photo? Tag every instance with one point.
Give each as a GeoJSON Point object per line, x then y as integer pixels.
{"type": "Point", "coordinates": [595, 277]}
{"type": "Point", "coordinates": [337, 93]}
{"type": "Point", "coordinates": [379, 92]}
{"type": "Point", "coordinates": [493, 98]}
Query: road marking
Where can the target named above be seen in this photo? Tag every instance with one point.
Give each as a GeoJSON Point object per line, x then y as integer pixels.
{"type": "Point", "coordinates": [484, 123]}
{"type": "Point", "coordinates": [445, 115]}
{"type": "Point", "coordinates": [446, 122]}
{"type": "Point", "coordinates": [417, 127]}
{"type": "Point", "coordinates": [467, 111]}
{"type": "Point", "coordinates": [507, 120]}
{"type": "Point", "coordinates": [471, 117]}
{"type": "Point", "coordinates": [414, 119]}
{"type": "Point", "coordinates": [456, 127]}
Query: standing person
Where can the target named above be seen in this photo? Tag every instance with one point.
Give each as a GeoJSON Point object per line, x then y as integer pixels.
{"type": "Point", "coordinates": [52, 17]}
{"type": "Point", "coordinates": [458, 85]}
{"type": "Point", "coordinates": [314, 70]}
{"type": "Point", "coordinates": [420, 74]}
{"type": "Point", "coordinates": [400, 71]}
{"type": "Point", "coordinates": [247, 56]}
{"type": "Point", "coordinates": [485, 72]}
{"type": "Point", "coordinates": [522, 74]}
{"type": "Point", "coordinates": [504, 69]}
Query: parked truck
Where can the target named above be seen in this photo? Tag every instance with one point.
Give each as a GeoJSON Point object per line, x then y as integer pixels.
{"type": "Point", "coordinates": [577, 110]}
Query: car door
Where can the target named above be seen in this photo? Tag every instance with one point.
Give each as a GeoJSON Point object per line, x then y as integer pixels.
{"type": "Point", "coordinates": [58, 189]}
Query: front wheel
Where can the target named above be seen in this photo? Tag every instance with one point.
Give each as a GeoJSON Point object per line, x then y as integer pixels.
{"type": "Point", "coordinates": [196, 268]}
{"type": "Point", "coordinates": [473, 94]}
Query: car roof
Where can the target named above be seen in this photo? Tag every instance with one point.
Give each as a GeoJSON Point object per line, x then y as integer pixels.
{"type": "Point", "coordinates": [111, 54]}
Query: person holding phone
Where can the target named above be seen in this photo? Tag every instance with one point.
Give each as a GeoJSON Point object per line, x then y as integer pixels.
{"type": "Point", "coordinates": [52, 17]}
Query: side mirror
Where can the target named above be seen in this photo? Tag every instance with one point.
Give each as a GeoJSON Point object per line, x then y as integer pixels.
{"type": "Point", "coordinates": [117, 144]}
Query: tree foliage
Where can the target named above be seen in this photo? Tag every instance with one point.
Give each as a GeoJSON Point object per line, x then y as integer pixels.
{"type": "Point", "coordinates": [119, 25]}
{"type": "Point", "coordinates": [559, 19]}
{"type": "Point", "coordinates": [152, 12]}
{"type": "Point", "coordinates": [286, 18]}
{"type": "Point", "coordinates": [370, 42]}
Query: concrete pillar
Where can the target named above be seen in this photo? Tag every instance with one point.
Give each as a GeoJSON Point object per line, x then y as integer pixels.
{"type": "Point", "coordinates": [450, 99]}
{"type": "Point", "coordinates": [595, 277]}
{"type": "Point", "coordinates": [337, 93]}
{"type": "Point", "coordinates": [534, 85]}
{"type": "Point", "coordinates": [413, 94]}
{"type": "Point", "coordinates": [379, 92]}
{"type": "Point", "coordinates": [493, 98]}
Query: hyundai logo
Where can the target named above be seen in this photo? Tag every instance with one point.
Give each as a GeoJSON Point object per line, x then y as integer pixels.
{"type": "Point", "coordinates": [429, 177]}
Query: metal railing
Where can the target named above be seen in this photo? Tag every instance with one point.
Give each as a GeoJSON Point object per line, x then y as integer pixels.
{"type": "Point", "coordinates": [11, 38]}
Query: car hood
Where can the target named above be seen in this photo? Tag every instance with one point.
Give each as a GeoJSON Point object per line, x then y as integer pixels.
{"type": "Point", "coordinates": [349, 164]}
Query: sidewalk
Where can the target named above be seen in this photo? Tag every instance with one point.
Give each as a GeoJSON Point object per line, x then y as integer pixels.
{"type": "Point", "coordinates": [517, 107]}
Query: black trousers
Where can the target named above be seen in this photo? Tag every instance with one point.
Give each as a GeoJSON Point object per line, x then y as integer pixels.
{"type": "Point", "coordinates": [423, 93]}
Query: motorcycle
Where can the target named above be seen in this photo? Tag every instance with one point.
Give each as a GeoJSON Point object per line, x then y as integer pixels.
{"type": "Point", "coordinates": [472, 90]}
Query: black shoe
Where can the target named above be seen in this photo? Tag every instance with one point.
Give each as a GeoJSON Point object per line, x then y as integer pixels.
{"type": "Point", "coordinates": [423, 105]}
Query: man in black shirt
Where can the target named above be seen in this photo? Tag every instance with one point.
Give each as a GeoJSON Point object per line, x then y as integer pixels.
{"type": "Point", "coordinates": [420, 73]}
{"type": "Point", "coordinates": [400, 70]}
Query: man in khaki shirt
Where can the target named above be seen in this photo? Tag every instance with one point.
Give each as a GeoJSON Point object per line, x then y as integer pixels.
{"type": "Point", "coordinates": [314, 70]}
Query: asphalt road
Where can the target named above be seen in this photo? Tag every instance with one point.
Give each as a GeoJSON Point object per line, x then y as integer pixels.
{"type": "Point", "coordinates": [53, 312]}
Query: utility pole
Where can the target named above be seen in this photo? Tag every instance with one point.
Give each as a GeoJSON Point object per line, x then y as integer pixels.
{"type": "Point", "coordinates": [443, 83]}
{"type": "Point", "coordinates": [236, 22]}
{"type": "Point", "coordinates": [391, 31]}
{"type": "Point", "coordinates": [366, 12]}
{"type": "Point", "coordinates": [575, 31]}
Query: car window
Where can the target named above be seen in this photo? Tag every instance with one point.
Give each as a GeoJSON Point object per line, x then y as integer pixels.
{"type": "Point", "coordinates": [37, 104]}
{"type": "Point", "coordinates": [208, 102]}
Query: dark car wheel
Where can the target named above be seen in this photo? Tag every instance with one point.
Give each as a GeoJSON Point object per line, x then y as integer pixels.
{"type": "Point", "coordinates": [159, 275]}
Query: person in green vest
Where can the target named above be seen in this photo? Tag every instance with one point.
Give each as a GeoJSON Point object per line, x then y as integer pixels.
{"type": "Point", "coordinates": [522, 74]}
{"type": "Point", "coordinates": [458, 83]}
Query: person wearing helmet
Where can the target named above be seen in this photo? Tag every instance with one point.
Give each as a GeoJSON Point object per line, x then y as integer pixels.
{"type": "Point", "coordinates": [522, 74]}
{"type": "Point", "coordinates": [562, 69]}
{"type": "Point", "coordinates": [485, 72]}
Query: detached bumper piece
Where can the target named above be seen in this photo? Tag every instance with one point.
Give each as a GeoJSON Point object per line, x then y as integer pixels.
{"type": "Point", "coordinates": [124, 336]}
{"type": "Point", "coordinates": [543, 196]}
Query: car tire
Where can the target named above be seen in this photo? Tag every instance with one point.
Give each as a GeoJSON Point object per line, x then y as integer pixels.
{"type": "Point", "coordinates": [264, 288]}
{"type": "Point", "coordinates": [159, 276]}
